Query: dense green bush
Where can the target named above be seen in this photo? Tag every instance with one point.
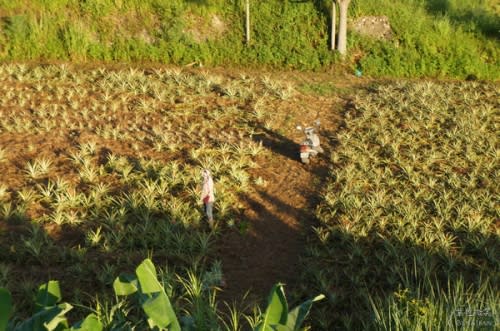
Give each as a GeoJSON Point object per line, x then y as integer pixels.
{"type": "Point", "coordinates": [431, 37]}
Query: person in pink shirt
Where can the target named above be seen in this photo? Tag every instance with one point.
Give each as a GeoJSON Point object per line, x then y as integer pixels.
{"type": "Point", "coordinates": [208, 195]}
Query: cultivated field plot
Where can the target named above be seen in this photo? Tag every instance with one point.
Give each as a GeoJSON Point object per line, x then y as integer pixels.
{"type": "Point", "coordinates": [409, 230]}
{"type": "Point", "coordinates": [101, 168]}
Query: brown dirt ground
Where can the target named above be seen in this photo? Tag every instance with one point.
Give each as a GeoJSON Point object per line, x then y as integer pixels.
{"type": "Point", "coordinates": [278, 215]}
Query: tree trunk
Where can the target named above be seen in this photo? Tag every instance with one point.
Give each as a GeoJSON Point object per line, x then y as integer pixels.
{"type": "Point", "coordinates": [333, 32]}
{"type": "Point", "coordinates": [247, 21]}
{"type": "Point", "coordinates": [343, 6]}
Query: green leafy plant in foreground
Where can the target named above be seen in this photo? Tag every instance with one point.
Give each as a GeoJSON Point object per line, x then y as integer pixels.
{"type": "Point", "coordinates": [50, 313]}
{"type": "Point", "coordinates": [278, 317]}
{"type": "Point", "coordinates": [151, 295]}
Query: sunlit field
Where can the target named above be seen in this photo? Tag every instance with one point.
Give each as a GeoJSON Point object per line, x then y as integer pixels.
{"type": "Point", "coordinates": [409, 224]}
{"type": "Point", "coordinates": [101, 169]}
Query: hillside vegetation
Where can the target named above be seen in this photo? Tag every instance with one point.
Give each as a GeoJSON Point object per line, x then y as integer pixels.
{"type": "Point", "coordinates": [430, 37]}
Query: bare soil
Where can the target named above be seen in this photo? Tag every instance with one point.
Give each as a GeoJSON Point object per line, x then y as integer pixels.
{"type": "Point", "coordinates": [280, 214]}
{"type": "Point", "coordinates": [266, 246]}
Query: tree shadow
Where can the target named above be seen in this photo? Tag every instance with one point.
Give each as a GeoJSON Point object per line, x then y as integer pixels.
{"type": "Point", "coordinates": [351, 267]}
{"type": "Point", "coordinates": [275, 141]}
{"type": "Point", "coordinates": [265, 253]}
{"type": "Point", "coordinates": [286, 208]}
{"type": "Point", "coordinates": [30, 255]}
{"type": "Point", "coordinates": [438, 6]}
{"type": "Point", "coordinates": [352, 270]}
{"type": "Point", "coordinates": [85, 257]}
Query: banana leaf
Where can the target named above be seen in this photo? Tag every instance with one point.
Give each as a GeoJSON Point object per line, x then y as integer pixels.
{"type": "Point", "coordinates": [49, 294]}
{"type": "Point", "coordinates": [125, 285]}
{"type": "Point", "coordinates": [154, 300]}
{"type": "Point", "coordinates": [90, 323]}
{"type": "Point", "coordinates": [297, 316]}
{"type": "Point", "coordinates": [48, 319]}
{"type": "Point", "coordinates": [276, 312]}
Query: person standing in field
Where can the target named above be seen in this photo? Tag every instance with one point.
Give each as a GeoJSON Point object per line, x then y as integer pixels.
{"type": "Point", "coordinates": [208, 196]}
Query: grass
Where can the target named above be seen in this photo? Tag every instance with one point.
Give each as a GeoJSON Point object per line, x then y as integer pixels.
{"type": "Point", "coordinates": [443, 39]}
{"type": "Point", "coordinates": [454, 307]}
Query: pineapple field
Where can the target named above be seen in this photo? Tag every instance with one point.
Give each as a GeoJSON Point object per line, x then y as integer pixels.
{"type": "Point", "coordinates": [394, 227]}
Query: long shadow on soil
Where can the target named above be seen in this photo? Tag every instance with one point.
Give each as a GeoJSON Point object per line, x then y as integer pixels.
{"type": "Point", "coordinates": [282, 145]}
{"type": "Point", "coordinates": [276, 142]}
{"type": "Point", "coordinates": [285, 208]}
{"type": "Point", "coordinates": [278, 224]}
{"type": "Point", "coordinates": [34, 253]}
{"type": "Point", "coordinates": [32, 257]}
{"type": "Point", "coordinates": [266, 253]}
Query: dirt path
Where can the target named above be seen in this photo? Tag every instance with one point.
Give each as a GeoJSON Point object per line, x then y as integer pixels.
{"type": "Point", "coordinates": [279, 215]}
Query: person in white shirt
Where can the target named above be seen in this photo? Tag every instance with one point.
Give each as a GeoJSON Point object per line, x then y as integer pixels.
{"type": "Point", "coordinates": [208, 195]}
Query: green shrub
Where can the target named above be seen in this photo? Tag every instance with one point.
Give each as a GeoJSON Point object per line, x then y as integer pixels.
{"type": "Point", "coordinates": [431, 38]}
{"type": "Point", "coordinates": [429, 42]}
